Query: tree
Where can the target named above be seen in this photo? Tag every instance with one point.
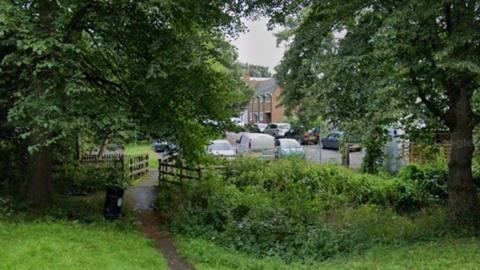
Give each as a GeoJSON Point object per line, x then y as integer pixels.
{"type": "Point", "coordinates": [257, 70]}
{"type": "Point", "coordinates": [75, 67]}
{"type": "Point", "coordinates": [375, 63]}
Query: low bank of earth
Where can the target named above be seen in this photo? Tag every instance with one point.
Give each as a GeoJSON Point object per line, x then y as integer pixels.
{"type": "Point", "coordinates": [463, 253]}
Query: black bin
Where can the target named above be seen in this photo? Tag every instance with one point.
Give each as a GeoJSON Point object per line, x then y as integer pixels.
{"type": "Point", "coordinates": [113, 203]}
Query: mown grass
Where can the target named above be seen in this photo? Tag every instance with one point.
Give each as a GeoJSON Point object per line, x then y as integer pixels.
{"type": "Point", "coordinates": [67, 245]}
{"type": "Point", "coordinates": [462, 253]}
{"type": "Point", "coordinates": [143, 148]}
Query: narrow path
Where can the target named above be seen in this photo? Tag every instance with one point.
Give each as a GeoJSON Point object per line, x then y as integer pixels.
{"type": "Point", "coordinates": [141, 198]}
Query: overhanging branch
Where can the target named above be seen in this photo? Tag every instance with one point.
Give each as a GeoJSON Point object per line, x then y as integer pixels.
{"type": "Point", "coordinates": [432, 107]}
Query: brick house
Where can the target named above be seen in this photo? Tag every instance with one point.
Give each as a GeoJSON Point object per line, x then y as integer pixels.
{"type": "Point", "coordinates": [264, 106]}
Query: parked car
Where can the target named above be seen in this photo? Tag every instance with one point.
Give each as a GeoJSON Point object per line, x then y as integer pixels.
{"type": "Point", "coordinates": [288, 147]}
{"type": "Point", "coordinates": [258, 127]}
{"type": "Point", "coordinates": [256, 144]}
{"type": "Point", "coordinates": [163, 146]}
{"type": "Point", "coordinates": [332, 141]}
{"type": "Point", "coordinates": [237, 121]}
{"type": "Point", "coordinates": [277, 130]}
{"type": "Point", "coordinates": [292, 134]}
{"type": "Point", "coordinates": [311, 136]}
{"type": "Point", "coordinates": [221, 148]}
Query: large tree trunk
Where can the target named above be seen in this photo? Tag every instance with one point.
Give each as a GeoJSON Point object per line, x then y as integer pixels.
{"type": "Point", "coordinates": [462, 196]}
{"type": "Point", "coordinates": [40, 187]}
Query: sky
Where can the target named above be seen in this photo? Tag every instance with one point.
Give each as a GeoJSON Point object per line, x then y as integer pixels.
{"type": "Point", "coordinates": [259, 46]}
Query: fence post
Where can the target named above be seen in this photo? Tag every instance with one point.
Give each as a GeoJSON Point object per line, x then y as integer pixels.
{"type": "Point", "coordinates": [147, 164]}
{"type": "Point", "coordinates": [160, 170]}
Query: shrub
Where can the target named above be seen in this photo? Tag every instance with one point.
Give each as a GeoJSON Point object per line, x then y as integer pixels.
{"type": "Point", "coordinates": [6, 207]}
{"type": "Point", "coordinates": [296, 209]}
{"type": "Point", "coordinates": [433, 177]}
{"type": "Point", "coordinates": [74, 178]}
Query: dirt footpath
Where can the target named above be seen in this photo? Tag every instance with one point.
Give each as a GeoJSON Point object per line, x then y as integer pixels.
{"type": "Point", "coordinates": [141, 198]}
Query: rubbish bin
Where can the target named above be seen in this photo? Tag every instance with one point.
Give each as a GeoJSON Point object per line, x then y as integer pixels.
{"type": "Point", "coordinates": [113, 203]}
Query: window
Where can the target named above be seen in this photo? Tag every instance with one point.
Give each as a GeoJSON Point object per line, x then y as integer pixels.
{"type": "Point", "coordinates": [289, 144]}
{"type": "Point", "coordinates": [251, 116]}
{"type": "Point", "coordinates": [272, 126]}
{"type": "Point", "coordinates": [220, 146]}
{"type": "Point", "coordinates": [332, 136]}
{"type": "Point", "coordinates": [284, 126]}
{"type": "Point", "coordinates": [255, 117]}
{"type": "Point", "coordinates": [261, 116]}
{"type": "Point", "coordinates": [268, 98]}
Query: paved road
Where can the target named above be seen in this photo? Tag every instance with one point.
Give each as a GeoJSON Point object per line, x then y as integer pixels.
{"type": "Point", "coordinates": [315, 154]}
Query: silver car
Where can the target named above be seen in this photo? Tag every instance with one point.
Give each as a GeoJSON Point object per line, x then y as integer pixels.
{"type": "Point", "coordinates": [221, 148]}
{"type": "Point", "coordinates": [288, 148]}
{"type": "Point", "coordinates": [277, 130]}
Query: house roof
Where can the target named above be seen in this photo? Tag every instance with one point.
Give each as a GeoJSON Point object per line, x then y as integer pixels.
{"type": "Point", "coordinates": [265, 86]}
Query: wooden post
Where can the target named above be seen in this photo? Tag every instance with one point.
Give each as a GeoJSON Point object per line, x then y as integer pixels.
{"type": "Point", "coordinates": [346, 155]}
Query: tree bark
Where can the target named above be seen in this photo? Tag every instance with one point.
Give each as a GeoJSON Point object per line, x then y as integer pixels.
{"type": "Point", "coordinates": [462, 195]}
{"type": "Point", "coordinates": [103, 146]}
{"type": "Point", "coordinates": [40, 186]}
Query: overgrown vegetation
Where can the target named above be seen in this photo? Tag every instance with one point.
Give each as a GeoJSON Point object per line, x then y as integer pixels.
{"type": "Point", "coordinates": [76, 178]}
{"type": "Point", "coordinates": [445, 254]}
{"type": "Point", "coordinates": [293, 209]}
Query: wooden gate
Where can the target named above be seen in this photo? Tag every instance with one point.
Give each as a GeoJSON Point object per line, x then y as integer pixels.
{"type": "Point", "coordinates": [178, 172]}
{"type": "Point", "coordinates": [133, 166]}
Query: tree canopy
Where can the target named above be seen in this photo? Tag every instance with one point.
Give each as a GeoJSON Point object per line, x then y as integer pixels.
{"type": "Point", "coordinates": [257, 70]}
{"type": "Point", "coordinates": [371, 64]}
{"type": "Point", "coordinates": [73, 69]}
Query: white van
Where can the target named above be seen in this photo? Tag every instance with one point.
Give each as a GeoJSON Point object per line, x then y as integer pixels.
{"type": "Point", "coordinates": [256, 144]}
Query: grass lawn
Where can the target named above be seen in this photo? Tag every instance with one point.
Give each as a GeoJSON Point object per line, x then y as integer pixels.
{"type": "Point", "coordinates": [461, 253]}
{"type": "Point", "coordinates": [143, 148]}
{"type": "Point", "coordinates": [63, 245]}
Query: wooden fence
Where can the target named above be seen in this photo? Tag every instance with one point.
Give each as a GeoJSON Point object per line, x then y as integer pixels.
{"type": "Point", "coordinates": [133, 166]}
{"type": "Point", "coordinates": [421, 154]}
{"type": "Point", "coordinates": [177, 171]}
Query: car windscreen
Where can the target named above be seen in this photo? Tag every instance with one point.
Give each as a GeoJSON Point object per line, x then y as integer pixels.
{"type": "Point", "coordinates": [289, 144]}
{"type": "Point", "coordinates": [220, 146]}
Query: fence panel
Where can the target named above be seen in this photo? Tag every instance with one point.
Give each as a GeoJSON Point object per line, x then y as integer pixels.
{"type": "Point", "coordinates": [180, 172]}
{"type": "Point", "coordinates": [133, 166]}
{"type": "Point", "coordinates": [421, 154]}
